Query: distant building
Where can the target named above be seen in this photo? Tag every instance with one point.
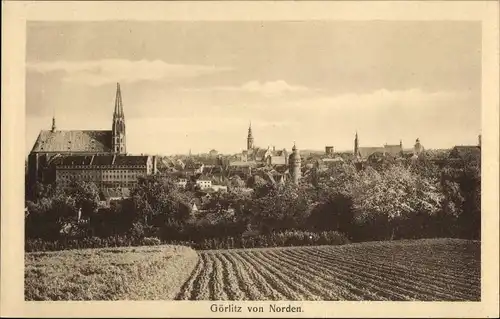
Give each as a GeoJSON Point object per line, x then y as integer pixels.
{"type": "Point", "coordinates": [219, 188]}
{"type": "Point", "coordinates": [365, 152]}
{"type": "Point", "coordinates": [194, 168]}
{"type": "Point", "coordinates": [266, 156]}
{"type": "Point", "coordinates": [213, 153]}
{"type": "Point", "coordinates": [204, 183]}
{"type": "Point", "coordinates": [106, 171]}
{"type": "Point", "coordinates": [182, 182]}
{"type": "Point", "coordinates": [329, 150]}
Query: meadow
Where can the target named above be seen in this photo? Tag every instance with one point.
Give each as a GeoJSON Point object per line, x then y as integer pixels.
{"type": "Point", "coordinates": [138, 273]}
{"type": "Point", "coordinates": [423, 270]}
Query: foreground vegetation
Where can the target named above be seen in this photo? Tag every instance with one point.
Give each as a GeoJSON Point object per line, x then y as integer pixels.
{"type": "Point", "coordinates": [143, 273]}
{"type": "Point", "coordinates": [279, 239]}
{"type": "Point", "coordinates": [422, 270]}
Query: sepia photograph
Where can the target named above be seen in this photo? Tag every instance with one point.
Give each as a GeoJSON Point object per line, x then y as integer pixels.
{"type": "Point", "coordinates": [304, 160]}
{"type": "Point", "coordinates": [261, 160]}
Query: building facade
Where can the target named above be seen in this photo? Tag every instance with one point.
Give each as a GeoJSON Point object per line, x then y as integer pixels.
{"type": "Point", "coordinates": [106, 171]}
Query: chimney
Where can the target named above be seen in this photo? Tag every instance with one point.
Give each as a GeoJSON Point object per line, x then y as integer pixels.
{"type": "Point", "coordinates": [479, 140]}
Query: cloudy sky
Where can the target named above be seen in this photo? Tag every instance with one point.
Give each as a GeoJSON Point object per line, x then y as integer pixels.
{"type": "Point", "coordinates": [196, 85]}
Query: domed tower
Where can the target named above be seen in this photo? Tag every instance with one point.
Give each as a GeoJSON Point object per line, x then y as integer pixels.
{"type": "Point", "coordinates": [295, 163]}
{"type": "Point", "coordinates": [250, 137]}
{"type": "Point", "coordinates": [418, 148]}
{"type": "Point", "coordinates": [118, 131]}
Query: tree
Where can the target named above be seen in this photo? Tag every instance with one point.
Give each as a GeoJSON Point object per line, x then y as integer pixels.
{"type": "Point", "coordinates": [386, 200]}
{"type": "Point", "coordinates": [283, 207]}
{"type": "Point", "coordinates": [86, 197]}
{"type": "Point", "coordinates": [157, 197]}
{"type": "Point", "coordinates": [237, 182]}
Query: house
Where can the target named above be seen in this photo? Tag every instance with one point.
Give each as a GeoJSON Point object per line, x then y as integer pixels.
{"type": "Point", "coordinates": [219, 188]}
{"type": "Point", "coordinates": [182, 182]}
{"type": "Point", "coordinates": [204, 182]}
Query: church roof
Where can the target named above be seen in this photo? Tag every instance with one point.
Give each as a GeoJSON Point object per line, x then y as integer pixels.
{"type": "Point", "coordinates": [73, 141]}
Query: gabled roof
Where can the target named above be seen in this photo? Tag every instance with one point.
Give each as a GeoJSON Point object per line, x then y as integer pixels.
{"type": "Point", "coordinates": [73, 141]}
{"type": "Point", "coordinates": [367, 151]}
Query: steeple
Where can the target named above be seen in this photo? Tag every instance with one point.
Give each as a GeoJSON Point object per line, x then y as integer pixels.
{"type": "Point", "coordinates": [53, 123]}
{"type": "Point", "coordinates": [250, 137]}
{"type": "Point", "coordinates": [118, 131]}
{"type": "Point", "coordinates": [356, 144]}
{"type": "Point", "coordinates": [118, 101]}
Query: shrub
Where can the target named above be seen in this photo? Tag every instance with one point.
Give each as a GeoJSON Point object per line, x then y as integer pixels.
{"type": "Point", "coordinates": [151, 241]}
{"type": "Point", "coordinates": [276, 239]}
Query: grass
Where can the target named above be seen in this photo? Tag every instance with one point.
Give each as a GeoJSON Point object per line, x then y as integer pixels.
{"type": "Point", "coordinates": [138, 273]}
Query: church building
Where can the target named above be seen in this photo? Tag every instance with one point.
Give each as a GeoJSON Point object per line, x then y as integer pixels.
{"type": "Point", "coordinates": [264, 156]}
{"type": "Point", "coordinates": [100, 156]}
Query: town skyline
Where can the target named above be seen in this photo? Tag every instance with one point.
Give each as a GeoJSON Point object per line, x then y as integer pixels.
{"type": "Point", "coordinates": [389, 81]}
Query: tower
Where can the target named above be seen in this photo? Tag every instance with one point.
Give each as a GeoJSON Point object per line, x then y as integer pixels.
{"type": "Point", "coordinates": [118, 131]}
{"type": "Point", "coordinates": [53, 124]}
{"type": "Point", "coordinates": [356, 145]}
{"type": "Point", "coordinates": [295, 163]}
{"type": "Point", "coordinates": [418, 148]}
{"type": "Point", "coordinates": [250, 137]}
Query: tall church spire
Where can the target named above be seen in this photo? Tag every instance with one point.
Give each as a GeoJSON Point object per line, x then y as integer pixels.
{"type": "Point", "coordinates": [250, 137]}
{"type": "Point", "coordinates": [118, 131]}
{"type": "Point", "coordinates": [356, 144]}
{"type": "Point", "coordinates": [118, 101]}
{"type": "Point", "coordinates": [53, 123]}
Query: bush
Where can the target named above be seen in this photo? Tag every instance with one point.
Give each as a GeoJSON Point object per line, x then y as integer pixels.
{"type": "Point", "coordinates": [151, 241]}
{"type": "Point", "coordinates": [279, 239]}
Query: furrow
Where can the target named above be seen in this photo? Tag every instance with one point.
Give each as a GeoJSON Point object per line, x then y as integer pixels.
{"type": "Point", "coordinates": [451, 282]}
{"type": "Point", "coordinates": [254, 283]}
{"type": "Point", "coordinates": [430, 293]}
{"type": "Point", "coordinates": [232, 282]}
{"type": "Point", "coordinates": [329, 286]}
{"type": "Point", "coordinates": [187, 291]}
{"type": "Point", "coordinates": [288, 275]}
{"type": "Point", "coordinates": [274, 281]}
{"type": "Point", "coordinates": [371, 289]}
{"type": "Point", "coordinates": [217, 281]}
{"type": "Point", "coordinates": [202, 285]}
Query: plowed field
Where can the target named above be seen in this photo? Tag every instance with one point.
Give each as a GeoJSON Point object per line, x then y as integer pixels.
{"type": "Point", "coordinates": [424, 270]}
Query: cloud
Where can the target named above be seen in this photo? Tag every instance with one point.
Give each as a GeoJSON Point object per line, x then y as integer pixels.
{"type": "Point", "coordinates": [380, 100]}
{"type": "Point", "coordinates": [101, 72]}
{"type": "Point", "coordinates": [270, 88]}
